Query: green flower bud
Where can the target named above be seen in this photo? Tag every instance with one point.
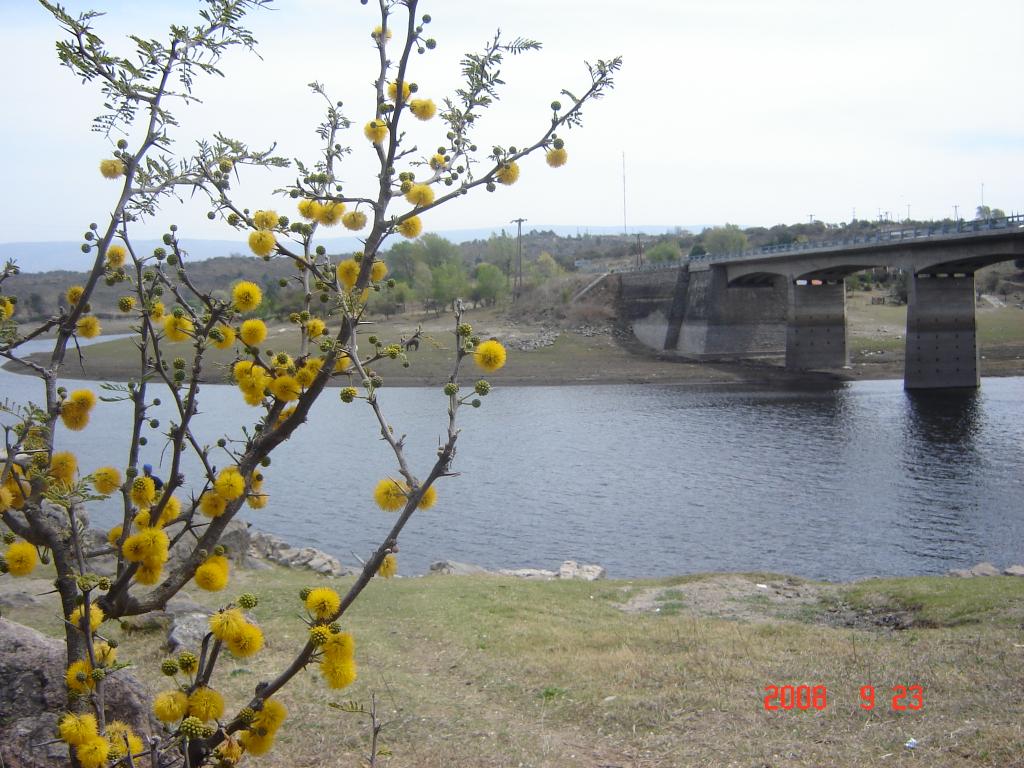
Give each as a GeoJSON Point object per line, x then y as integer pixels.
{"type": "Point", "coordinates": [451, 388]}
{"type": "Point", "coordinates": [304, 593]}
{"type": "Point", "coordinates": [248, 601]}
{"type": "Point", "coordinates": [348, 394]}
{"type": "Point", "coordinates": [482, 388]}
{"type": "Point", "coordinates": [187, 662]}
{"type": "Point", "coordinates": [191, 727]}
{"type": "Point", "coordinates": [475, 403]}
{"type": "Point", "coordinates": [169, 667]}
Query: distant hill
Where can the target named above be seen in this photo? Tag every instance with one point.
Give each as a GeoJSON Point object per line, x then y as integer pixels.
{"type": "Point", "coordinates": [68, 256]}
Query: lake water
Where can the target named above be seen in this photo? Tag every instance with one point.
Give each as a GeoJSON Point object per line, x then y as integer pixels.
{"type": "Point", "coordinates": [841, 482]}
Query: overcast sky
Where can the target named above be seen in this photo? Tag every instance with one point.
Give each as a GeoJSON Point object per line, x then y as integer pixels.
{"type": "Point", "coordinates": [744, 111]}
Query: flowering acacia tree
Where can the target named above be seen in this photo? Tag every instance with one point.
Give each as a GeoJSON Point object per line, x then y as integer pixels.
{"type": "Point", "coordinates": [44, 494]}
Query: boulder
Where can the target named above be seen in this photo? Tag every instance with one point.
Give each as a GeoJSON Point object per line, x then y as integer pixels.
{"type": "Point", "coordinates": [32, 698]}
{"type": "Point", "coordinates": [1014, 570]}
{"type": "Point", "coordinates": [531, 574]}
{"type": "Point", "coordinates": [266, 546]}
{"type": "Point", "coordinates": [22, 592]}
{"type": "Point", "coordinates": [452, 568]}
{"type": "Point", "coordinates": [981, 569]}
{"type": "Point", "coordinates": [570, 569]}
{"type": "Point", "coordinates": [187, 631]}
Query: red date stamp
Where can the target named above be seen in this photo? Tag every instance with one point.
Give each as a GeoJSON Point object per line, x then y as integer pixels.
{"type": "Point", "coordinates": [903, 698]}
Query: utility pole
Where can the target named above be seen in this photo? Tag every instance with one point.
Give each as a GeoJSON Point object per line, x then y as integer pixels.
{"type": "Point", "coordinates": [625, 229]}
{"type": "Point", "coordinates": [956, 212]}
{"type": "Point", "coordinates": [517, 286]}
{"type": "Point", "coordinates": [810, 218]}
{"type": "Point", "coordinates": [639, 251]}
{"type": "Point", "coordinates": [908, 211]}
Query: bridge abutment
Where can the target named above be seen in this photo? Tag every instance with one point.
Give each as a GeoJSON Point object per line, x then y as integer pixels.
{"type": "Point", "coordinates": [942, 345]}
{"type": "Point", "coordinates": [816, 331]}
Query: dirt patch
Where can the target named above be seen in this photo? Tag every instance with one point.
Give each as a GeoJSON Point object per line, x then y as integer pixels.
{"type": "Point", "coordinates": [730, 596]}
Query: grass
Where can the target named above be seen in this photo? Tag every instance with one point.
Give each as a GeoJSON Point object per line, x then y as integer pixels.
{"type": "Point", "coordinates": [489, 671]}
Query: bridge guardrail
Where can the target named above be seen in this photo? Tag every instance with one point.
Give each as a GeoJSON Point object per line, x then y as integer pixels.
{"type": "Point", "coordinates": [1015, 221]}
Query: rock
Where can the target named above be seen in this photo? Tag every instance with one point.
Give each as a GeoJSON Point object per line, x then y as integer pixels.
{"type": "Point", "coordinates": [32, 697]}
{"type": "Point", "coordinates": [531, 574]}
{"type": "Point", "coordinates": [269, 547]}
{"type": "Point", "coordinates": [981, 569]}
{"type": "Point", "coordinates": [236, 538]}
{"type": "Point", "coordinates": [570, 569]}
{"type": "Point", "coordinates": [1014, 570]}
{"type": "Point", "coordinates": [22, 592]}
{"type": "Point", "coordinates": [452, 568]}
{"type": "Point", "coordinates": [187, 631]}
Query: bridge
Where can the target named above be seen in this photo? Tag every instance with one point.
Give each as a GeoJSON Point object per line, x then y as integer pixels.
{"type": "Point", "coordinates": [793, 299]}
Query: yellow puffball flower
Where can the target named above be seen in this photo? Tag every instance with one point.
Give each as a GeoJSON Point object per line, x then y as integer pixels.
{"type": "Point", "coordinates": [106, 480]}
{"type": "Point", "coordinates": [142, 518]}
{"type": "Point", "coordinates": [21, 558]}
{"type": "Point", "coordinates": [227, 337]}
{"type": "Point", "coordinates": [95, 617]}
{"type": "Point", "coordinates": [83, 398]}
{"type": "Point", "coordinates": [212, 505]}
{"type": "Point", "coordinates": [315, 327]}
{"type": "Point", "coordinates": [330, 214]}
{"type": "Point", "coordinates": [348, 272]}
{"type": "Point", "coordinates": [376, 131]}
{"type": "Point", "coordinates": [143, 492]}
{"type": "Point", "coordinates": [411, 227]}
{"type": "Point", "coordinates": [508, 173]}
{"type": "Point", "coordinates": [246, 296]}
{"type": "Point", "coordinates": [338, 673]}
{"type": "Point", "coordinates": [223, 624]}
{"type": "Point", "coordinates": [105, 655]}
{"type": "Point", "coordinates": [354, 220]}
{"type": "Point", "coordinates": [428, 499]}
{"type": "Point", "coordinates": [265, 219]}
{"type": "Point", "coordinates": [206, 704]}
{"type": "Point", "coordinates": [253, 332]}
{"type": "Point", "coordinates": [437, 162]}
{"type": "Point", "coordinates": [170, 512]}
{"type": "Point", "coordinates": [212, 576]}
{"type": "Point", "coordinates": [111, 168]}
{"type": "Point", "coordinates": [73, 416]}
{"type": "Point", "coordinates": [378, 271]}
{"type": "Point", "coordinates": [6, 497]}
{"type": "Point", "coordinates": [424, 109]}
{"type": "Point", "coordinates": [285, 388]}
{"type": "Point", "coordinates": [229, 483]}
{"type": "Point", "coordinates": [63, 466]}
{"type": "Point", "coordinates": [149, 573]}
{"type": "Point", "coordinates": [156, 312]}
{"type": "Point", "coordinates": [229, 751]}
{"type": "Point", "coordinates": [323, 603]}
{"type": "Point", "coordinates": [74, 294]}
{"type": "Point", "coordinates": [79, 676]}
{"type": "Point", "coordinates": [254, 743]}
{"type": "Point", "coordinates": [76, 729]}
{"type": "Point", "coordinates": [177, 328]}
{"type": "Point", "coordinates": [170, 706]}
{"type": "Point", "coordinates": [389, 495]}
{"type": "Point", "coordinates": [271, 717]}
{"type": "Point", "coordinates": [489, 355]}
{"type": "Point", "coordinates": [6, 308]}
{"type": "Point", "coordinates": [420, 195]}
{"type": "Point", "coordinates": [388, 566]}
{"type": "Point", "coordinates": [308, 372]}
{"type": "Point", "coordinates": [114, 534]}
{"type": "Point", "coordinates": [116, 255]}
{"type": "Point", "coordinates": [149, 544]}
{"type": "Point", "coordinates": [342, 363]}
{"type": "Point", "coordinates": [245, 641]}
{"type": "Point", "coordinates": [309, 209]}
{"type": "Point", "coordinates": [93, 753]}
{"type": "Point", "coordinates": [556, 158]}
{"type": "Point", "coordinates": [88, 327]}
{"type": "Point", "coordinates": [262, 242]}
{"type": "Point", "coordinates": [257, 500]}
{"type": "Point", "coordinates": [393, 90]}
{"type": "Point", "coordinates": [378, 31]}
{"type": "Point", "coordinates": [123, 740]}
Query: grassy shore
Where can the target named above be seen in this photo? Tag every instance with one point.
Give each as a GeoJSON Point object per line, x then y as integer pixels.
{"type": "Point", "coordinates": [493, 671]}
{"type": "Point", "coordinates": [581, 356]}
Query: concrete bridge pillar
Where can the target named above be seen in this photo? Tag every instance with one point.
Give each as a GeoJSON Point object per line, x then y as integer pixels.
{"type": "Point", "coordinates": [816, 331]}
{"type": "Point", "coordinates": [942, 348]}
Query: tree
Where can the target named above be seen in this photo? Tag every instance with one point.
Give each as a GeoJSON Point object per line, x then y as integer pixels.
{"type": "Point", "coordinates": [490, 283]}
{"type": "Point", "coordinates": [45, 493]}
{"type": "Point", "coordinates": [448, 283]}
{"type": "Point", "coordinates": [664, 252]}
{"type": "Point", "coordinates": [724, 240]}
